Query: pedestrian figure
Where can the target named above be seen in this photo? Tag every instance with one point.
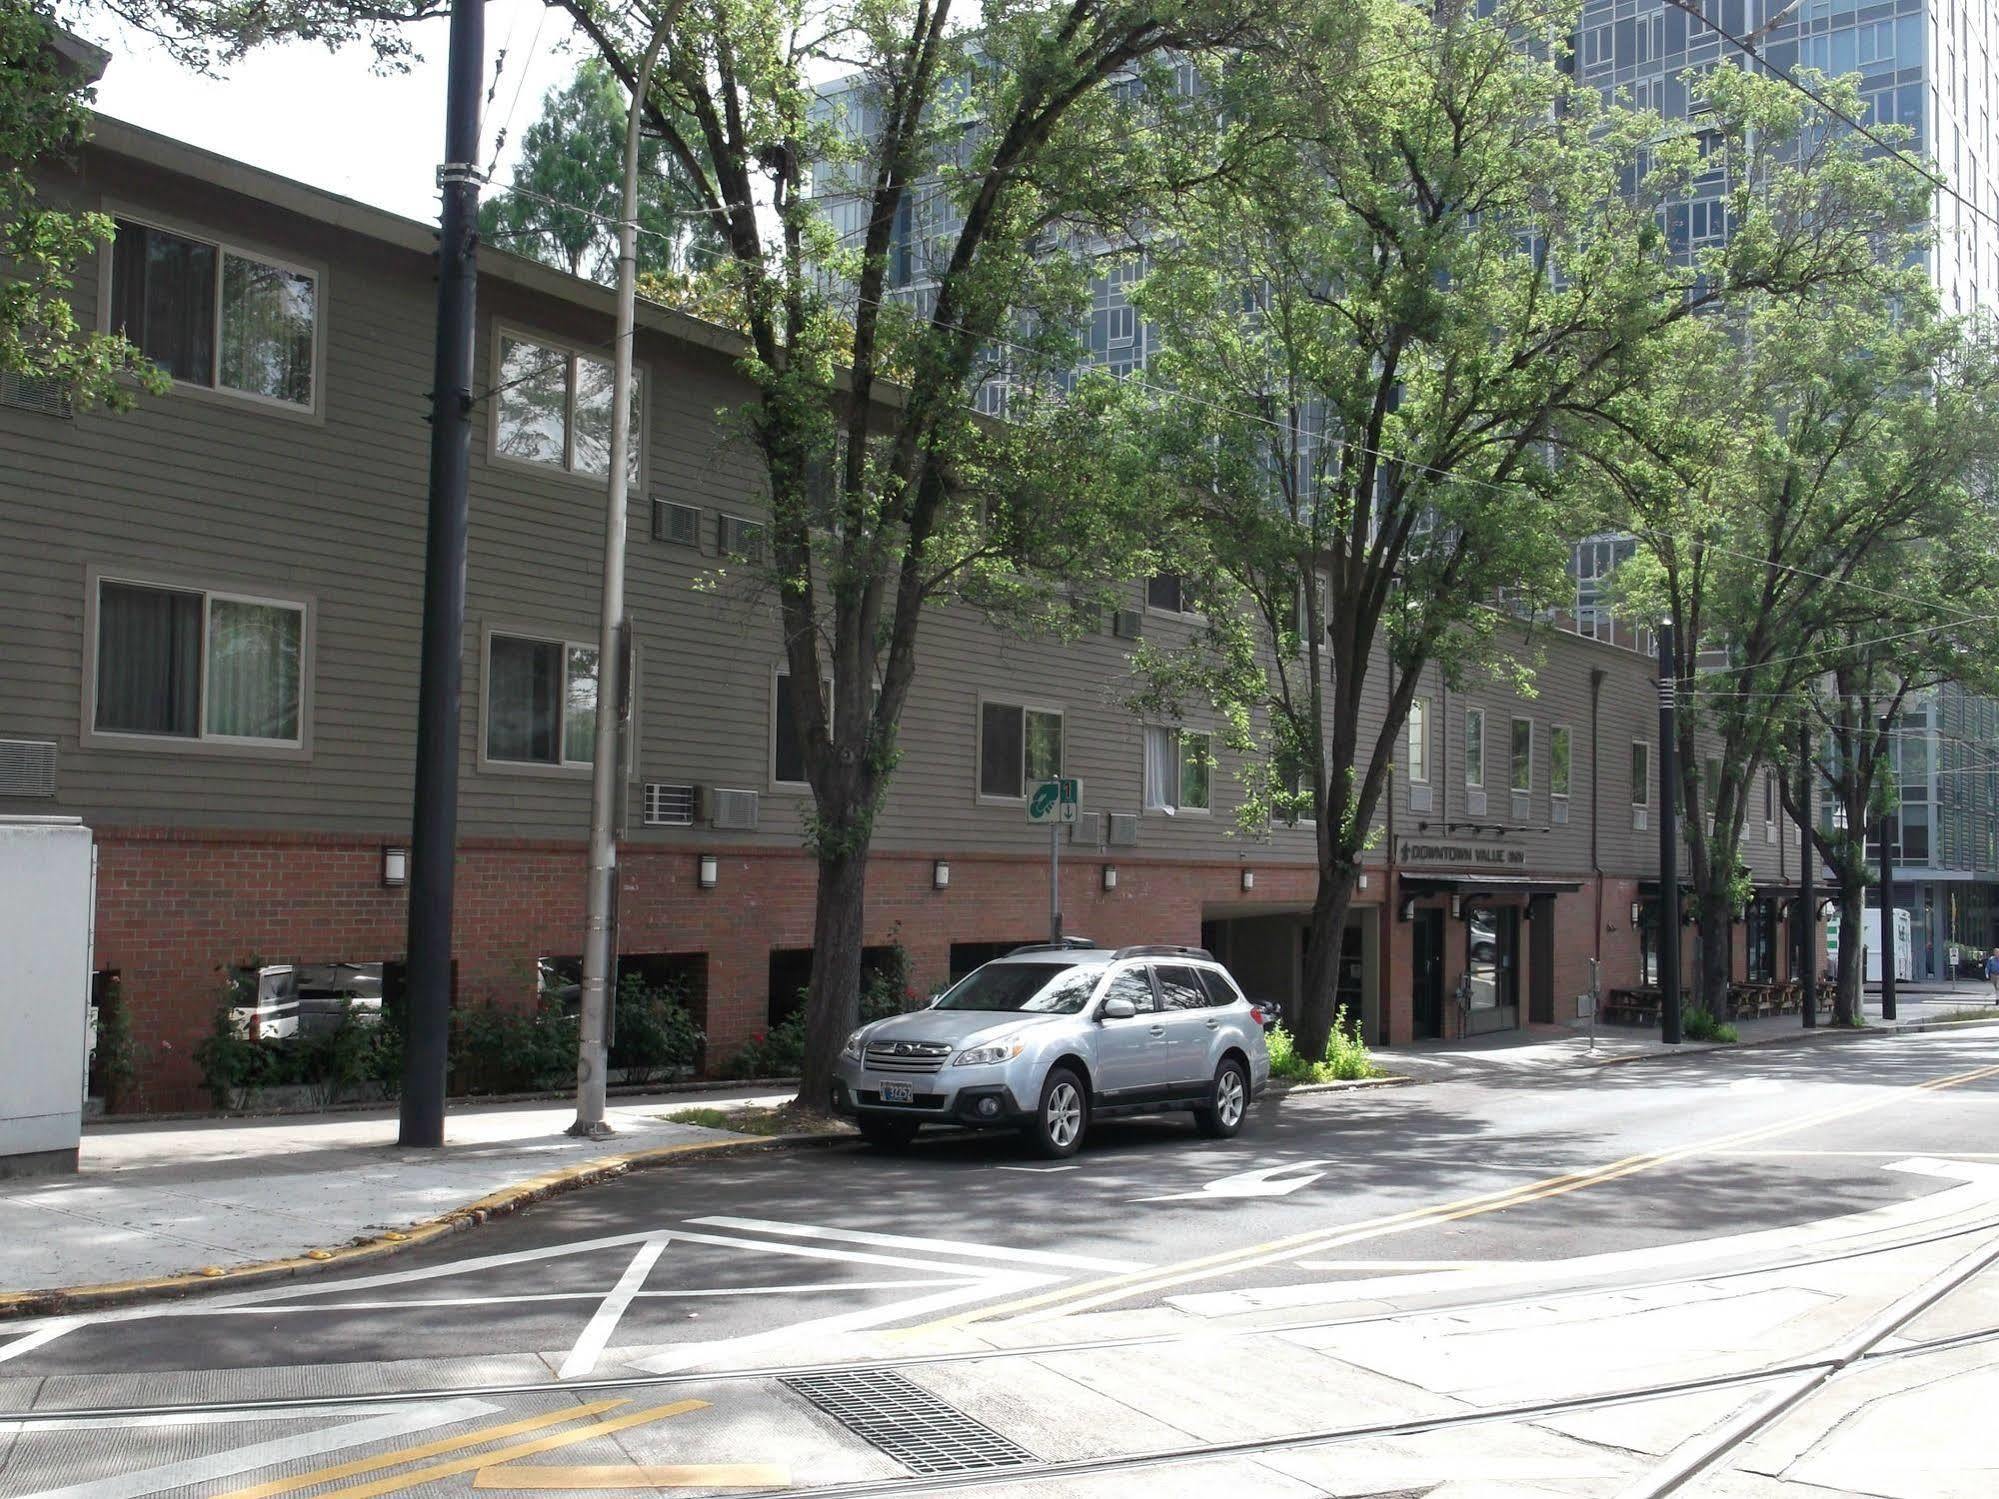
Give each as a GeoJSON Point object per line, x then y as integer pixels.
{"type": "Point", "coordinates": [1992, 973]}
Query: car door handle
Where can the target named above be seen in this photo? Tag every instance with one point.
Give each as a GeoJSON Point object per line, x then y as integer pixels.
{"type": "Point", "coordinates": [1214, 1025]}
{"type": "Point", "coordinates": [1159, 1030]}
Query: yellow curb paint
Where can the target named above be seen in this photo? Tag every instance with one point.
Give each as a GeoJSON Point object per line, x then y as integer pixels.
{"type": "Point", "coordinates": [396, 1459]}
{"type": "Point", "coordinates": [471, 1215]}
{"type": "Point", "coordinates": [417, 1476]}
{"type": "Point", "coordinates": [638, 1476]}
{"type": "Point", "coordinates": [1092, 1294]}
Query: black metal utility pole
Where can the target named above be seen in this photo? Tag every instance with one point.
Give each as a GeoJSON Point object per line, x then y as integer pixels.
{"type": "Point", "coordinates": [1891, 949]}
{"type": "Point", "coordinates": [1669, 847]}
{"type": "Point", "coordinates": [1808, 902]}
{"type": "Point", "coordinates": [434, 819]}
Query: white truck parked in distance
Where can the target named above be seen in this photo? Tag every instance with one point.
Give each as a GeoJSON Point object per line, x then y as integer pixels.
{"type": "Point", "coordinates": [1870, 939]}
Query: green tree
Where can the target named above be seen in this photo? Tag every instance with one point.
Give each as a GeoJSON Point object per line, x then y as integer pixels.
{"type": "Point", "coordinates": [1783, 472]}
{"type": "Point", "coordinates": [562, 204]}
{"type": "Point", "coordinates": [44, 97]}
{"type": "Point", "coordinates": [1441, 251]}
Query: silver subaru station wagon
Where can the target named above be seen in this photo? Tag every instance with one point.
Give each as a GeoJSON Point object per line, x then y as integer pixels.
{"type": "Point", "coordinates": [1053, 1035]}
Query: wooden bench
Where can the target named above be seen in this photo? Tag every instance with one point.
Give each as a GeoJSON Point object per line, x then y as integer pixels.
{"type": "Point", "coordinates": [1632, 1006]}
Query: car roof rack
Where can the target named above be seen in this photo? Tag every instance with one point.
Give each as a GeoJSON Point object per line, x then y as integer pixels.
{"type": "Point", "coordinates": [1161, 950]}
{"type": "Point", "coordinates": [1065, 944]}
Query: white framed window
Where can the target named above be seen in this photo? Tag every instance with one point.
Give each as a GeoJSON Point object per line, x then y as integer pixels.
{"type": "Point", "coordinates": [1523, 754]}
{"type": "Point", "coordinates": [552, 406]}
{"type": "Point", "coordinates": [1179, 767]}
{"type": "Point", "coordinates": [1641, 773]}
{"type": "Point", "coordinates": [787, 741]}
{"type": "Point", "coordinates": [1419, 740]}
{"type": "Point", "coordinates": [540, 701]}
{"type": "Point", "coordinates": [1018, 746]}
{"type": "Point", "coordinates": [217, 316]}
{"type": "Point", "coordinates": [1560, 760]}
{"type": "Point", "coordinates": [1475, 747]}
{"type": "Point", "coordinates": [184, 667]}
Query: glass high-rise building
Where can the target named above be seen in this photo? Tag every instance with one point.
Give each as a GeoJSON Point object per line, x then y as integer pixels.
{"type": "Point", "coordinates": [1927, 65]}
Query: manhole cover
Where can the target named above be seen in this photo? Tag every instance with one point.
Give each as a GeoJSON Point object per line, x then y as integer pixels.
{"type": "Point", "coordinates": [923, 1433]}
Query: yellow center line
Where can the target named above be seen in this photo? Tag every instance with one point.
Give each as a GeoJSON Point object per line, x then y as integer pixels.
{"type": "Point", "coordinates": [479, 1460]}
{"type": "Point", "coordinates": [415, 1454]}
{"type": "Point", "coordinates": [638, 1476]}
{"type": "Point", "coordinates": [1098, 1293]}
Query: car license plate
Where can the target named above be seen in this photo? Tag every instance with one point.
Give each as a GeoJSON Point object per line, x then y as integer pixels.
{"type": "Point", "coordinates": [895, 1093]}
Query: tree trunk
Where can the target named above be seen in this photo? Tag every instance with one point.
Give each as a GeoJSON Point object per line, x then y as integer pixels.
{"type": "Point", "coordinates": [1852, 961]}
{"type": "Point", "coordinates": [1327, 934]}
{"type": "Point", "coordinates": [832, 1006]}
{"type": "Point", "coordinates": [1714, 952]}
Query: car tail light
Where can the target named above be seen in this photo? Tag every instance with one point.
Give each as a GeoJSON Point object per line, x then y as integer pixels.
{"type": "Point", "coordinates": [1256, 1014]}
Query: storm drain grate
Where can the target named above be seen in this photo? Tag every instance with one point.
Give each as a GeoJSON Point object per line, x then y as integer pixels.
{"type": "Point", "coordinates": [923, 1433]}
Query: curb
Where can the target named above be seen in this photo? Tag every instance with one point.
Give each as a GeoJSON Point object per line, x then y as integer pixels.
{"type": "Point", "coordinates": [1281, 1088]}
{"type": "Point", "coordinates": [510, 1199]}
{"type": "Point", "coordinates": [1818, 1036]}
{"type": "Point", "coordinates": [694, 1086]}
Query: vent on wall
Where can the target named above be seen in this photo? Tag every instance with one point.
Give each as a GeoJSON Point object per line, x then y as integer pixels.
{"type": "Point", "coordinates": [30, 393]}
{"type": "Point", "coordinates": [27, 767]}
{"type": "Point", "coordinates": [1641, 819]}
{"type": "Point", "coordinates": [671, 804]}
{"type": "Point", "coordinates": [679, 524]}
{"type": "Point", "coordinates": [734, 809]}
{"type": "Point", "coordinates": [1475, 802]}
{"type": "Point", "coordinates": [1087, 828]}
{"type": "Point", "coordinates": [1558, 809]}
{"type": "Point", "coordinates": [1419, 797]}
{"type": "Point", "coordinates": [1124, 830]}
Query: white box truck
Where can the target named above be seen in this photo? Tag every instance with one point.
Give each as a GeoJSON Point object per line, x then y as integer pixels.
{"type": "Point", "coordinates": [1870, 938]}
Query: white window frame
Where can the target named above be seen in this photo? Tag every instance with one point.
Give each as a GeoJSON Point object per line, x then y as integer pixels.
{"type": "Point", "coordinates": [1025, 707]}
{"type": "Point", "coordinates": [502, 331]}
{"type": "Point", "coordinates": [1474, 783]}
{"type": "Point", "coordinates": [1179, 733]}
{"type": "Point", "coordinates": [1569, 736]}
{"type": "Point", "coordinates": [1417, 740]}
{"type": "Point", "coordinates": [201, 742]}
{"type": "Point", "coordinates": [1512, 725]}
{"type": "Point", "coordinates": [537, 636]}
{"type": "Point", "coordinates": [1641, 794]}
{"type": "Point", "coordinates": [315, 410]}
{"type": "Point", "coordinates": [780, 673]}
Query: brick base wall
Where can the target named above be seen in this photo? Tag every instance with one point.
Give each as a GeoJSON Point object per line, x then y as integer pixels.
{"type": "Point", "coordinates": [176, 909]}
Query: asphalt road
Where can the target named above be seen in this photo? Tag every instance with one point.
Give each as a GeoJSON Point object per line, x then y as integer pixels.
{"type": "Point", "coordinates": [1392, 1200]}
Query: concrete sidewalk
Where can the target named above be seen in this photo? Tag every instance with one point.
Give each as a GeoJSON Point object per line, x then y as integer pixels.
{"type": "Point", "coordinates": [1554, 1048]}
{"type": "Point", "coordinates": [160, 1199]}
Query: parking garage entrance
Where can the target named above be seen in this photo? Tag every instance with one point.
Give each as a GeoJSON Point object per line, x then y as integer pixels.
{"type": "Point", "coordinates": [1266, 953]}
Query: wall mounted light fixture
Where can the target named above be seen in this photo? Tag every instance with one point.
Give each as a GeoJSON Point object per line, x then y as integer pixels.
{"type": "Point", "coordinates": [711, 872]}
{"type": "Point", "coordinates": [1249, 879]}
{"type": "Point", "coordinates": [395, 867]}
{"type": "Point", "coordinates": [1457, 907]}
{"type": "Point", "coordinates": [1363, 879]}
{"type": "Point", "coordinates": [940, 876]}
{"type": "Point", "coordinates": [1407, 911]}
{"type": "Point", "coordinates": [1110, 876]}
{"type": "Point", "coordinates": [1637, 912]}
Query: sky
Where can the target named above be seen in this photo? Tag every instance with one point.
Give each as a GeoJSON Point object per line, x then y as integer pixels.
{"type": "Point", "coordinates": [323, 118]}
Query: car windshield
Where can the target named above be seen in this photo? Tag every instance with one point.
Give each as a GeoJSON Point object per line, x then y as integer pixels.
{"type": "Point", "coordinates": [1036, 988]}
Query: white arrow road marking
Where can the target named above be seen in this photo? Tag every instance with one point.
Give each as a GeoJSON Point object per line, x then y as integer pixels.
{"type": "Point", "coordinates": [903, 1241]}
{"type": "Point", "coordinates": [1265, 1181]}
{"type": "Point", "coordinates": [583, 1357]}
{"type": "Point", "coordinates": [201, 1470]}
{"type": "Point", "coordinates": [48, 1332]}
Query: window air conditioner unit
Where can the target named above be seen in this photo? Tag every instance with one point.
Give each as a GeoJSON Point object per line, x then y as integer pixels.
{"type": "Point", "coordinates": [1088, 828]}
{"type": "Point", "coordinates": [1127, 624]}
{"type": "Point", "coordinates": [1124, 830]}
{"type": "Point", "coordinates": [679, 524]}
{"type": "Point", "coordinates": [734, 809]}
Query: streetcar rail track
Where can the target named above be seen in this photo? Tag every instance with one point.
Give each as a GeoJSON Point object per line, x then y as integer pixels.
{"type": "Point", "coordinates": [917, 1358]}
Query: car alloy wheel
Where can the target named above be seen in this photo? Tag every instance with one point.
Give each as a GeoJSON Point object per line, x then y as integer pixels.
{"type": "Point", "coordinates": [1222, 1118]}
{"type": "Point", "coordinates": [1064, 1113]}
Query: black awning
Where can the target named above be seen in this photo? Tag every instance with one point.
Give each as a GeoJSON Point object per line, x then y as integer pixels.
{"type": "Point", "coordinates": [1649, 890]}
{"type": "Point", "coordinates": [1485, 884]}
{"type": "Point", "coordinates": [1780, 889]}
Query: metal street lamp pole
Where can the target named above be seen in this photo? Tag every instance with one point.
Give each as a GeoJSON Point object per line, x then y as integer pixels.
{"type": "Point", "coordinates": [434, 810]}
{"type": "Point", "coordinates": [1891, 947]}
{"type": "Point", "coordinates": [600, 938]}
{"type": "Point", "coordinates": [1669, 846]}
{"type": "Point", "coordinates": [1808, 905]}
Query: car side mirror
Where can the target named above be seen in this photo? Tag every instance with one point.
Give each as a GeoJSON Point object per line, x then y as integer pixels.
{"type": "Point", "coordinates": [1117, 1008]}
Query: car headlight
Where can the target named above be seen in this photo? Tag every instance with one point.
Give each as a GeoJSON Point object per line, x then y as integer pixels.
{"type": "Point", "coordinates": [853, 1047]}
{"type": "Point", "coordinates": [985, 1056]}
